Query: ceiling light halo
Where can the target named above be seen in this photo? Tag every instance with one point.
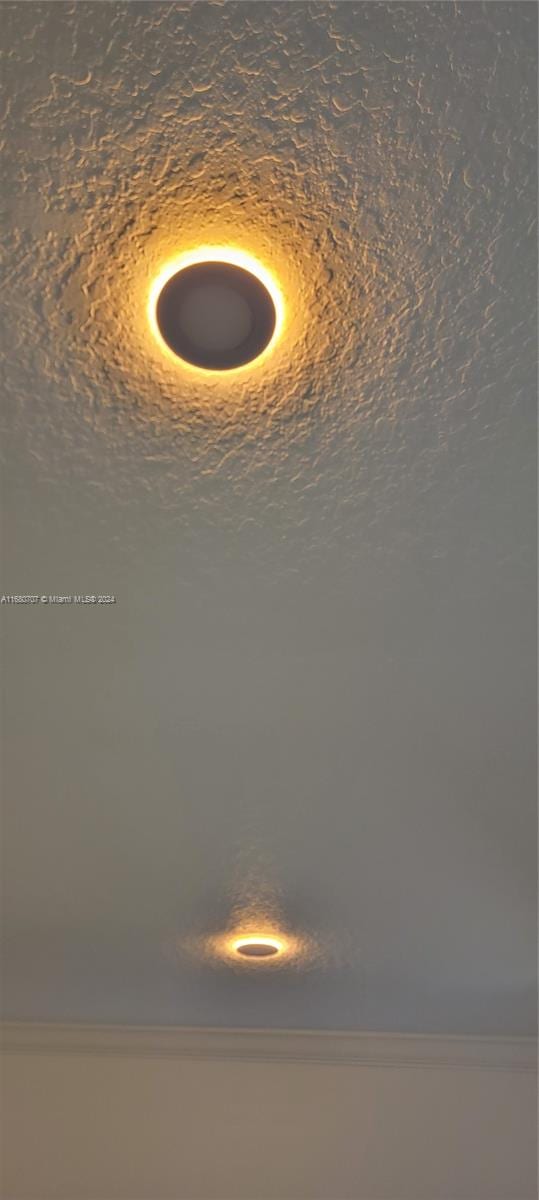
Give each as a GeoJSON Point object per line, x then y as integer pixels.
{"type": "Point", "coordinates": [216, 310]}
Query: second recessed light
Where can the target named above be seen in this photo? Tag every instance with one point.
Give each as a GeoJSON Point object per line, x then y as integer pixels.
{"type": "Point", "coordinates": [258, 947]}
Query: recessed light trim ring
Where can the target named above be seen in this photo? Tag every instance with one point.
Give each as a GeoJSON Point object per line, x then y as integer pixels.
{"type": "Point", "coordinates": [260, 947]}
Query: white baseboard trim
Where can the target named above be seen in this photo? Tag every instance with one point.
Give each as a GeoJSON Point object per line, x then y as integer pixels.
{"type": "Point", "coordinates": [273, 1045]}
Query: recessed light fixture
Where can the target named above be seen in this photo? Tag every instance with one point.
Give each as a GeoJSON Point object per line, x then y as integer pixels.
{"type": "Point", "coordinates": [215, 309]}
{"type": "Point", "coordinates": [257, 947]}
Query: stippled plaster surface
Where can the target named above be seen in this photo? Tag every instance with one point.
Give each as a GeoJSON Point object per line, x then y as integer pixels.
{"type": "Point", "coordinates": [317, 673]}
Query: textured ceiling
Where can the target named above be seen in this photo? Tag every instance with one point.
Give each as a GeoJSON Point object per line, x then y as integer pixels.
{"type": "Point", "coordinates": [315, 689]}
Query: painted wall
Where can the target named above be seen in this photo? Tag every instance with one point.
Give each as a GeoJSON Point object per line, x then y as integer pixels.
{"type": "Point", "coordinates": [123, 1125]}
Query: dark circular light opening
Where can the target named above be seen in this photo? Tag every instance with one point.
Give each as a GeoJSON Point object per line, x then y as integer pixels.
{"type": "Point", "coordinates": [257, 949]}
{"type": "Point", "coordinates": [217, 316]}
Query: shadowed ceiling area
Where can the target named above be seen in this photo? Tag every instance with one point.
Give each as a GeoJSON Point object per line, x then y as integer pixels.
{"type": "Point", "coordinates": [312, 703]}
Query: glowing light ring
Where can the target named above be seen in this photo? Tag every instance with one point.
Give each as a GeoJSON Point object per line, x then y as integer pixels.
{"type": "Point", "coordinates": [236, 258]}
{"type": "Point", "coordinates": [275, 946]}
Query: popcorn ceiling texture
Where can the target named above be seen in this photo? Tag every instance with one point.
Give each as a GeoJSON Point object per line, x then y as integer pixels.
{"type": "Point", "coordinates": [323, 567]}
{"type": "Point", "coordinates": [377, 157]}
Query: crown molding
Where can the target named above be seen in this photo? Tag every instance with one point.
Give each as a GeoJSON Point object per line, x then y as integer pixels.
{"type": "Point", "coordinates": [273, 1045]}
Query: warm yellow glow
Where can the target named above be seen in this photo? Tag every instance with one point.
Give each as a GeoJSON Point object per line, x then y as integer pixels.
{"type": "Point", "coordinates": [236, 258]}
{"type": "Point", "coordinates": [241, 943]}
{"type": "Point", "coordinates": [291, 950]}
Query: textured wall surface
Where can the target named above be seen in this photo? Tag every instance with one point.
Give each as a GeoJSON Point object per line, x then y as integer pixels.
{"type": "Point", "coordinates": [316, 684]}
